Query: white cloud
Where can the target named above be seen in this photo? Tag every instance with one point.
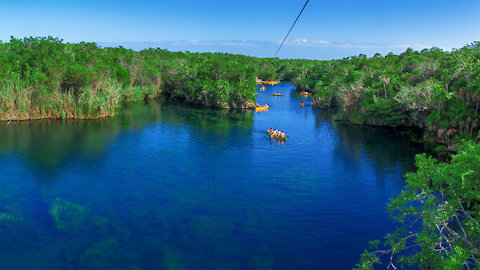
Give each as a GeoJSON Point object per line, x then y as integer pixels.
{"type": "Point", "coordinates": [296, 48]}
{"type": "Point", "coordinates": [348, 45]}
{"type": "Point", "coordinates": [306, 42]}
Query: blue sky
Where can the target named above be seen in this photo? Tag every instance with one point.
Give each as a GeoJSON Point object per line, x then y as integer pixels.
{"type": "Point", "coordinates": [327, 29]}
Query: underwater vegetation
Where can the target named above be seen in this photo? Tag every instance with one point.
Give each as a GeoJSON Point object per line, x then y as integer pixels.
{"type": "Point", "coordinates": [68, 216]}
{"type": "Point", "coordinates": [7, 218]}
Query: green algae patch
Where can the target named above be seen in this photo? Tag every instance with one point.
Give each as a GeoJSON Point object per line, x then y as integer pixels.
{"type": "Point", "coordinates": [7, 218]}
{"type": "Point", "coordinates": [68, 216]}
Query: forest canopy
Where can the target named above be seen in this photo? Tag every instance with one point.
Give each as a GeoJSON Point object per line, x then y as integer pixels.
{"type": "Point", "coordinates": [433, 90]}
{"type": "Point", "coordinates": [46, 78]}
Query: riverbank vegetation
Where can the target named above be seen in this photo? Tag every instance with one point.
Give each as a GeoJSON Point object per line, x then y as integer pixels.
{"type": "Point", "coordinates": [439, 215]}
{"type": "Point", "coordinates": [433, 90]}
{"type": "Point", "coordinates": [46, 78]}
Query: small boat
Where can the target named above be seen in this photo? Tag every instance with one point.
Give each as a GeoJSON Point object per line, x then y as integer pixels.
{"type": "Point", "coordinates": [270, 82]}
{"type": "Point", "coordinates": [259, 109]}
{"type": "Point", "coordinates": [277, 95]}
{"type": "Point", "coordinates": [305, 94]}
{"type": "Point", "coordinates": [276, 137]}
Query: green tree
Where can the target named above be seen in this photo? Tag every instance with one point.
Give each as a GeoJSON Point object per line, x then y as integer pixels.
{"type": "Point", "coordinates": [439, 213]}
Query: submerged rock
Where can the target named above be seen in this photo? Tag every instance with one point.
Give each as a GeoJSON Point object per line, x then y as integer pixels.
{"type": "Point", "coordinates": [68, 216]}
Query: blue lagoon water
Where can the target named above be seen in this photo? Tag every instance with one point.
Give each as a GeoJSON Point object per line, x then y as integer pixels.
{"type": "Point", "coordinates": [167, 186]}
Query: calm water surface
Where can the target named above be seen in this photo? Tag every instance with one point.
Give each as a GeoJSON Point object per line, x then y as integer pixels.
{"type": "Point", "coordinates": [168, 186]}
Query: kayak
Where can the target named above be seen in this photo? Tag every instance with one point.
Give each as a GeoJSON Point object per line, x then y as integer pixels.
{"type": "Point", "coordinates": [270, 82]}
{"type": "Point", "coordinates": [276, 137]}
{"type": "Point", "coordinates": [277, 95]}
{"type": "Point", "coordinates": [262, 108]}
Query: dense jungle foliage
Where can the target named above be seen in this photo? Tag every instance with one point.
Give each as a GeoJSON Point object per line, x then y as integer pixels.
{"type": "Point", "coordinates": [436, 91]}
{"type": "Point", "coordinates": [433, 90]}
{"type": "Point", "coordinates": [46, 78]}
{"type": "Point", "coordinates": [439, 214]}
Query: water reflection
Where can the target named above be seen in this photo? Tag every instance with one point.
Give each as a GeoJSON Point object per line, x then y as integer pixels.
{"type": "Point", "coordinates": [386, 147]}
{"type": "Point", "coordinates": [90, 214]}
{"type": "Point", "coordinates": [163, 185]}
{"type": "Point", "coordinates": [49, 144]}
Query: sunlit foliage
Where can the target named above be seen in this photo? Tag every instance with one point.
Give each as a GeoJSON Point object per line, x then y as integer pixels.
{"type": "Point", "coordinates": [439, 213]}
{"type": "Point", "coordinates": [434, 90]}
{"type": "Point", "coordinates": [46, 78]}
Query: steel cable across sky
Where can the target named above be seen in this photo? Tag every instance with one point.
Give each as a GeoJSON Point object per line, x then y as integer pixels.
{"type": "Point", "coordinates": [291, 28]}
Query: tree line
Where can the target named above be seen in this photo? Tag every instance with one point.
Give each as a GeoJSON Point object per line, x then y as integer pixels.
{"type": "Point", "coordinates": [43, 77]}
{"type": "Point", "coordinates": [433, 90]}
{"type": "Point", "coordinates": [437, 91]}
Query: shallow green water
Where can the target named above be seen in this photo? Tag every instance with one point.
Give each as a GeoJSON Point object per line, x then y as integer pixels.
{"type": "Point", "coordinates": [168, 186]}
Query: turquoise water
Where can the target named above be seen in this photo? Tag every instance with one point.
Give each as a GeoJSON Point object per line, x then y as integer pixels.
{"type": "Point", "coordinates": [168, 186]}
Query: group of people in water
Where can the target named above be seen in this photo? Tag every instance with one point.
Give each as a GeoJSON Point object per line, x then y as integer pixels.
{"type": "Point", "coordinates": [314, 103]}
{"type": "Point", "coordinates": [279, 133]}
{"type": "Point", "coordinates": [276, 132]}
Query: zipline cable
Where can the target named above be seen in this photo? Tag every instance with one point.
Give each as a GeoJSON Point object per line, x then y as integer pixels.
{"type": "Point", "coordinates": [291, 28]}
